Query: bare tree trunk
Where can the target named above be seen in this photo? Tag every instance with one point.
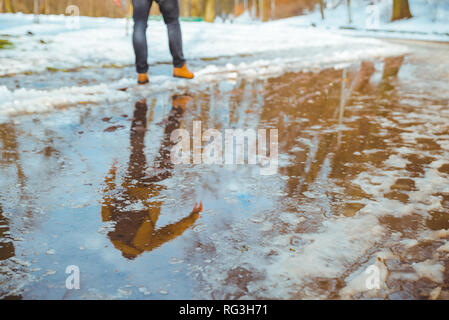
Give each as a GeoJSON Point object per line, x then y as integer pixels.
{"type": "Point", "coordinates": [209, 11]}
{"type": "Point", "coordinates": [8, 6]}
{"type": "Point", "coordinates": [91, 9]}
{"type": "Point", "coordinates": [44, 7]}
{"type": "Point", "coordinates": [348, 2]}
{"type": "Point", "coordinates": [322, 9]}
{"type": "Point", "coordinates": [401, 10]}
{"type": "Point", "coordinates": [129, 14]}
{"type": "Point", "coordinates": [36, 11]}
{"type": "Point", "coordinates": [195, 10]}
{"type": "Point", "coordinates": [110, 10]}
{"type": "Point", "coordinates": [265, 10]}
{"type": "Point", "coordinates": [47, 7]}
{"type": "Point", "coordinates": [183, 8]}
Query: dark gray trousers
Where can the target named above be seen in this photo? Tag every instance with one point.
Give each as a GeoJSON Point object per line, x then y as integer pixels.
{"type": "Point", "coordinates": [170, 13]}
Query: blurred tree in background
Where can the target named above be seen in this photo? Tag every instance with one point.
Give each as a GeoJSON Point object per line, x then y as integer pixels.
{"type": "Point", "coordinates": [207, 9]}
{"type": "Point", "coordinates": [401, 10]}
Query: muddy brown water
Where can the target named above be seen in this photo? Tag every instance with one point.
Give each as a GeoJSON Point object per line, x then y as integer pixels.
{"type": "Point", "coordinates": [363, 179]}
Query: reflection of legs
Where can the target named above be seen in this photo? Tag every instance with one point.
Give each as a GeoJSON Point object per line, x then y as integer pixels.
{"type": "Point", "coordinates": [170, 12]}
{"type": "Point", "coordinates": [140, 16]}
{"type": "Point", "coordinates": [137, 161]}
{"type": "Point", "coordinates": [162, 162]}
{"type": "Point", "coordinates": [134, 230]}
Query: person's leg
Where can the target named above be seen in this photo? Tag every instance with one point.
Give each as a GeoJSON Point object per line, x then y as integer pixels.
{"type": "Point", "coordinates": [141, 10]}
{"type": "Point", "coordinates": [170, 13]}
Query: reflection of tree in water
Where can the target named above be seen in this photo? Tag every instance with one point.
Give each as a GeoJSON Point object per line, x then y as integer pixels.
{"type": "Point", "coordinates": [7, 251]}
{"type": "Point", "coordinates": [10, 153]}
{"type": "Point", "coordinates": [323, 119]}
{"type": "Point", "coordinates": [9, 156]}
{"type": "Point", "coordinates": [313, 102]}
{"type": "Point", "coordinates": [297, 103]}
{"type": "Point", "coordinates": [6, 247]}
{"type": "Point", "coordinates": [131, 205]}
{"type": "Point", "coordinates": [390, 72]}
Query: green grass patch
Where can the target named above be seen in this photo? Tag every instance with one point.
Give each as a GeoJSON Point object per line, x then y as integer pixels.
{"type": "Point", "coordinates": [51, 69]}
{"type": "Point", "coordinates": [112, 66]}
{"type": "Point", "coordinates": [5, 44]}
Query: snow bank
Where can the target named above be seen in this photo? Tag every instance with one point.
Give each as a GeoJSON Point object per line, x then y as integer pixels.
{"type": "Point", "coordinates": [216, 51]}
{"type": "Point", "coordinates": [30, 101]}
{"type": "Point", "coordinates": [430, 20]}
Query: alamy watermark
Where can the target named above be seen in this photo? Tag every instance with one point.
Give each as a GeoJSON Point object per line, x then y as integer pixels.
{"type": "Point", "coordinates": [230, 150]}
{"type": "Point", "coordinates": [372, 281]}
{"type": "Point", "coordinates": [372, 16]}
{"type": "Point", "coordinates": [71, 17]}
{"type": "Point", "coordinates": [73, 280]}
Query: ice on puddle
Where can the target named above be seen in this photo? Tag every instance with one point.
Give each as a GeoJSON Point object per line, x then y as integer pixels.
{"type": "Point", "coordinates": [395, 162]}
{"type": "Point", "coordinates": [135, 206]}
{"type": "Point", "coordinates": [144, 291]}
{"type": "Point", "coordinates": [49, 272]}
{"type": "Point", "coordinates": [429, 269]}
{"type": "Point", "coordinates": [107, 227]}
{"type": "Point", "coordinates": [123, 292]}
{"type": "Point", "coordinates": [174, 260]}
{"type": "Point", "coordinates": [444, 247]}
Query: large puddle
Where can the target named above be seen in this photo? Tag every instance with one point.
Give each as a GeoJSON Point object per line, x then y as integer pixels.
{"type": "Point", "coordinates": [363, 180]}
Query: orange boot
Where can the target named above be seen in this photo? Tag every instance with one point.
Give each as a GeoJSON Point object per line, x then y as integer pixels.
{"type": "Point", "coordinates": [142, 78]}
{"type": "Point", "coordinates": [182, 72]}
{"type": "Point", "coordinates": [180, 101]}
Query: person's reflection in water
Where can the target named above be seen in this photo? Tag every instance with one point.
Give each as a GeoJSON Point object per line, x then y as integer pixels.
{"type": "Point", "coordinates": [131, 205]}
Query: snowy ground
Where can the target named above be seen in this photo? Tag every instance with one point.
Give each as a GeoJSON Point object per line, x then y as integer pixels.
{"type": "Point", "coordinates": [362, 179]}
{"type": "Point", "coordinates": [430, 20]}
{"type": "Point", "coordinates": [214, 50]}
